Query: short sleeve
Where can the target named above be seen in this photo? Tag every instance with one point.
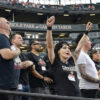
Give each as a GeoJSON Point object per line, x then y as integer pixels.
{"type": "Point", "coordinates": [81, 59]}
{"type": "Point", "coordinates": [4, 42]}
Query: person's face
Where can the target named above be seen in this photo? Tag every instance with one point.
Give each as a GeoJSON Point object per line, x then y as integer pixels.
{"type": "Point", "coordinates": [6, 25]}
{"type": "Point", "coordinates": [88, 44]}
{"type": "Point", "coordinates": [96, 56]}
{"type": "Point", "coordinates": [18, 40]}
{"type": "Point", "coordinates": [64, 52]}
{"type": "Point", "coordinates": [37, 46]}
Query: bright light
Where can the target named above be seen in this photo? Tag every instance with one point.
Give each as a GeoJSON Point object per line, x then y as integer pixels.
{"type": "Point", "coordinates": [92, 14]}
{"type": "Point", "coordinates": [22, 47]}
{"type": "Point", "coordinates": [62, 34]}
{"type": "Point", "coordinates": [37, 36]}
{"type": "Point", "coordinates": [66, 14]}
{"type": "Point", "coordinates": [33, 36]}
{"type": "Point", "coordinates": [24, 50]}
{"type": "Point", "coordinates": [40, 14]}
{"type": "Point", "coordinates": [7, 10]}
{"type": "Point", "coordinates": [28, 36]}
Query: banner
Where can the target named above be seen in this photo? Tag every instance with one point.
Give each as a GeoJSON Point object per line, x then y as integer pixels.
{"type": "Point", "coordinates": [43, 27]}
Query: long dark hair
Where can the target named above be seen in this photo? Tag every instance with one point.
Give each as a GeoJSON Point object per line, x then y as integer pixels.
{"type": "Point", "coordinates": [58, 47]}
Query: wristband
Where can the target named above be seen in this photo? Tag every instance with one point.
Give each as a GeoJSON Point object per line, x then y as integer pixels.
{"type": "Point", "coordinates": [49, 28]}
{"type": "Point", "coordinates": [86, 32]}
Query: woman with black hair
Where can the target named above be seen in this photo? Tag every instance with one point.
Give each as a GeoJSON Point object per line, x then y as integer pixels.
{"type": "Point", "coordinates": [63, 67]}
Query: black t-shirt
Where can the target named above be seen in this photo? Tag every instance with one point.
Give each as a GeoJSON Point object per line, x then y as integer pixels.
{"type": "Point", "coordinates": [65, 77]}
{"type": "Point", "coordinates": [97, 64]}
{"type": "Point", "coordinates": [24, 77]}
{"type": "Point", "coordinates": [7, 71]}
{"type": "Point", "coordinates": [46, 59]}
{"type": "Point", "coordinates": [33, 81]}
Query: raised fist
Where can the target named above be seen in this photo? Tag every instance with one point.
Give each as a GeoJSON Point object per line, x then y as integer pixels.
{"type": "Point", "coordinates": [50, 21]}
{"type": "Point", "coordinates": [88, 26]}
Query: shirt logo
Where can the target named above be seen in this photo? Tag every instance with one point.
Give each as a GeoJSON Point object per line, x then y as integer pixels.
{"type": "Point", "coordinates": [71, 68]}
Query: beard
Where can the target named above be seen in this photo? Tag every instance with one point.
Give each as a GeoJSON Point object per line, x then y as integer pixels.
{"type": "Point", "coordinates": [38, 50]}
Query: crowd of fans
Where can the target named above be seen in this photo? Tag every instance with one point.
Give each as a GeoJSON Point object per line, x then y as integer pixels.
{"type": "Point", "coordinates": [59, 72]}
{"type": "Point", "coordinates": [49, 6]}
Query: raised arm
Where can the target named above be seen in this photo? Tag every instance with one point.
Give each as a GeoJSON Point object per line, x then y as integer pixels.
{"type": "Point", "coordinates": [82, 41]}
{"type": "Point", "coordinates": [49, 39]}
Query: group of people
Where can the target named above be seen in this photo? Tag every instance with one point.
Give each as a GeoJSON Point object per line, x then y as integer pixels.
{"type": "Point", "coordinates": [69, 74]}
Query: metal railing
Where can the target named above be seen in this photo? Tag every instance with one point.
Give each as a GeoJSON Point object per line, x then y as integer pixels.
{"type": "Point", "coordinates": [46, 96]}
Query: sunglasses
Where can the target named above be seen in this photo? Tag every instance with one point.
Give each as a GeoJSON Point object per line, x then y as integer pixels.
{"type": "Point", "coordinates": [36, 43]}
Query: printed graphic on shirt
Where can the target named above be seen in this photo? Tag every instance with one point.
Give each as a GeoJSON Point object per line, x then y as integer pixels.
{"type": "Point", "coordinates": [71, 76]}
{"type": "Point", "coordinates": [17, 61]}
{"type": "Point", "coordinates": [71, 68]}
{"type": "Point", "coordinates": [43, 64]}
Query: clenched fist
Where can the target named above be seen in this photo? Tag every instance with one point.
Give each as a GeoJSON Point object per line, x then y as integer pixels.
{"type": "Point", "coordinates": [88, 26]}
{"type": "Point", "coordinates": [50, 21]}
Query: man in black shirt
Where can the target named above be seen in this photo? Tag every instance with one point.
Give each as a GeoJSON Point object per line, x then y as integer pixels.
{"type": "Point", "coordinates": [7, 70]}
{"type": "Point", "coordinates": [38, 84]}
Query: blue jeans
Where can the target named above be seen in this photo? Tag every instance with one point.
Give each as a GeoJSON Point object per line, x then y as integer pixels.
{"type": "Point", "coordinates": [24, 88]}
